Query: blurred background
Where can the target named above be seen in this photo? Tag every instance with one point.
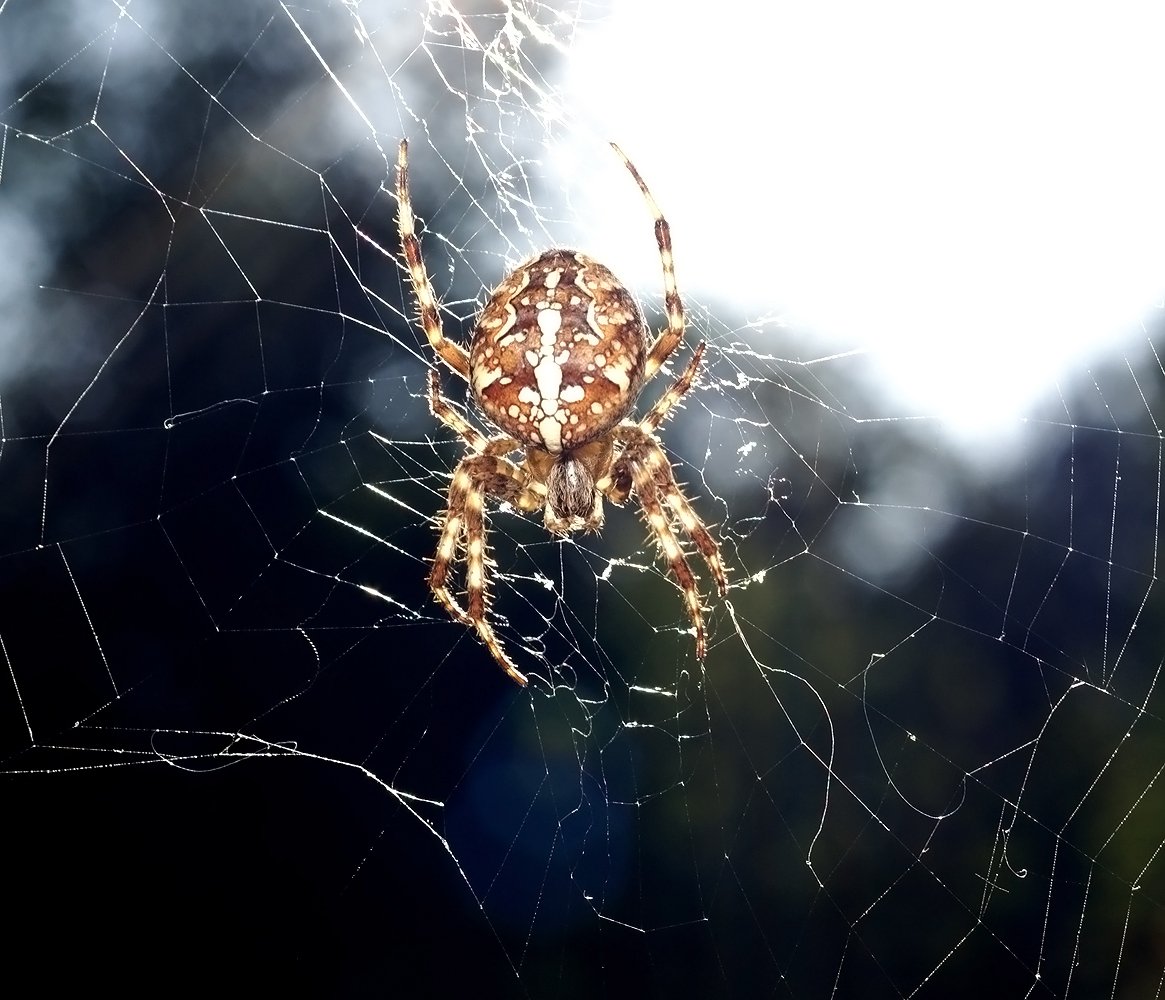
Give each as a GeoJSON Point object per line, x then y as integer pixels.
{"type": "Point", "coordinates": [240, 746]}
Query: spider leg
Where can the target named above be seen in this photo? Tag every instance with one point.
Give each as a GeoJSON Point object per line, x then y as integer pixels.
{"type": "Point", "coordinates": [662, 409]}
{"type": "Point", "coordinates": [673, 333]}
{"type": "Point", "coordinates": [445, 555]}
{"type": "Point", "coordinates": [617, 489]}
{"type": "Point", "coordinates": [699, 534]}
{"type": "Point", "coordinates": [657, 520]}
{"type": "Point", "coordinates": [476, 477]}
{"type": "Point", "coordinates": [440, 408]}
{"type": "Point", "coordinates": [475, 585]}
{"type": "Point", "coordinates": [644, 468]}
{"type": "Point", "coordinates": [451, 353]}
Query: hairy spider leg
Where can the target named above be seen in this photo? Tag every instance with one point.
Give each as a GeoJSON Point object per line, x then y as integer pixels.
{"type": "Point", "coordinates": [618, 491]}
{"type": "Point", "coordinates": [441, 409]}
{"type": "Point", "coordinates": [673, 333]}
{"type": "Point", "coordinates": [522, 493]}
{"type": "Point", "coordinates": [676, 391]}
{"type": "Point", "coordinates": [644, 468]}
{"type": "Point", "coordinates": [486, 473]}
{"type": "Point", "coordinates": [476, 477]}
{"type": "Point", "coordinates": [451, 353]}
{"type": "Point", "coordinates": [649, 472]}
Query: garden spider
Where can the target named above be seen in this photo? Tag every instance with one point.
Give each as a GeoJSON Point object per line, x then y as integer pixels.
{"type": "Point", "coordinates": [557, 358]}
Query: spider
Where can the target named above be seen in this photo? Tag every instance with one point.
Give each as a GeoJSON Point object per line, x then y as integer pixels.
{"type": "Point", "coordinates": [556, 361]}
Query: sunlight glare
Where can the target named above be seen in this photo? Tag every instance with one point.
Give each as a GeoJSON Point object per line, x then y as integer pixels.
{"type": "Point", "coordinates": [971, 195]}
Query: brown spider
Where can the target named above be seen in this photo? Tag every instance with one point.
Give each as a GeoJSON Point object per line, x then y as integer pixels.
{"type": "Point", "coordinates": [556, 361]}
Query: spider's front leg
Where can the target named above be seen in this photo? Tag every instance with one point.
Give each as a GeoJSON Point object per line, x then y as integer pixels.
{"type": "Point", "coordinates": [669, 339]}
{"type": "Point", "coordinates": [453, 354]}
{"type": "Point", "coordinates": [643, 468]}
{"type": "Point", "coordinates": [477, 477]}
{"type": "Point", "coordinates": [485, 472]}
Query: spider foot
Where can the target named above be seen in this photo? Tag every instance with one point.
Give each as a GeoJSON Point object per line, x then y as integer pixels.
{"type": "Point", "coordinates": [719, 573]}
{"type": "Point", "coordinates": [449, 603]}
{"type": "Point", "coordinates": [695, 612]}
{"type": "Point", "coordinates": [499, 654]}
{"type": "Point", "coordinates": [457, 612]}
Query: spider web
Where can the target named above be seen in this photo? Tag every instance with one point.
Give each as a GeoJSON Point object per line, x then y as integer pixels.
{"type": "Point", "coordinates": [923, 755]}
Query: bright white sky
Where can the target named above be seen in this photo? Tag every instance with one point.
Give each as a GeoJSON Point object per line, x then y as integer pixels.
{"type": "Point", "coordinates": [974, 195]}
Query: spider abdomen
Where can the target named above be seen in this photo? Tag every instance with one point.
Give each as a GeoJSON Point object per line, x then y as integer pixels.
{"type": "Point", "coordinates": [558, 353]}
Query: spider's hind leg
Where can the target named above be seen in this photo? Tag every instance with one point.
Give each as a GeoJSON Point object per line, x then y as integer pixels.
{"type": "Point", "coordinates": [475, 478]}
{"type": "Point", "coordinates": [643, 468]}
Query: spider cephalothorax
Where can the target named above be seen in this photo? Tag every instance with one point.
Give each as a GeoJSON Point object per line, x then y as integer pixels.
{"type": "Point", "coordinates": [556, 361]}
